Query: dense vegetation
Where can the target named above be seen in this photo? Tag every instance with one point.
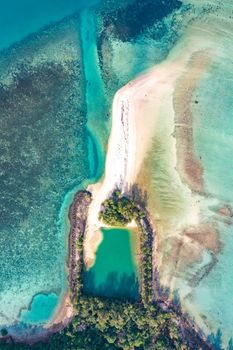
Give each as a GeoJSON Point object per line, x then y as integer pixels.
{"type": "Point", "coordinates": [105, 323]}
{"type": "Point", "coordinates": [118, 210]}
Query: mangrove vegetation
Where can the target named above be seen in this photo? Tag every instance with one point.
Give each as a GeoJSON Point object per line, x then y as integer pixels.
{"type": "Point", "coordinates": [105, 323]}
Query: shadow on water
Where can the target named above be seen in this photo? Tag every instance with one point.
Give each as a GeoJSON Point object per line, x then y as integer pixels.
{"type": "Point", "coordinates": [138, 195]}
{"type": "Point", "coordinates": [115, 285]}
{"type": "Point", "coordinates": [216, 340]}
{"type": "Point", "coordinates": [114, 273]}
{"type": "Point", "coordinates": [172, 301]}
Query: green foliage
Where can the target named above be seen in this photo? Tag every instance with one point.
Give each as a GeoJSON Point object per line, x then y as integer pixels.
{"type": "Point", "coordinates": [111, 324]}
{"type": "Point", "coordinates": [104, 323]}
{"type": "Point", "coordinates": [4, 332]}
{"type": "Point", "coordinates": [118, 210]}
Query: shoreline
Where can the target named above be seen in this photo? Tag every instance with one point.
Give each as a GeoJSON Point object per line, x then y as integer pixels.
{"type": "Point", "coordinates": [133, 123]}
{"type": "Point", "coordinates": [77, 216]}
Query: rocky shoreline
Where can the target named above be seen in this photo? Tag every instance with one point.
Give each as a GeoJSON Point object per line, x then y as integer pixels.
{"type": "Point", "coordinates": [78, 218]}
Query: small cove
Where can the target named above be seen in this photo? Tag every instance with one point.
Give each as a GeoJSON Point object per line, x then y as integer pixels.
{"type": "Point", "coordinates": [41, 309]}
{"type": "Point", "coordinates": [115, 272]}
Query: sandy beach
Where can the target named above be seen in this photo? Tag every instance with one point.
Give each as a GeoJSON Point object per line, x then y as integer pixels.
{"type": "Point", "coordinates": [63, 315]}
{"type": "Point", "coordinates": [136, 112]}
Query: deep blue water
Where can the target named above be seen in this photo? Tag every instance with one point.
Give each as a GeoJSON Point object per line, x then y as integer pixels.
{"type": "Point", "coordinates": [18, 18]}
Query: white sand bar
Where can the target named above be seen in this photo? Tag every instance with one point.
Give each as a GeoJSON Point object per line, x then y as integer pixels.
{"type": "Point", "coordinates": [135, 112]}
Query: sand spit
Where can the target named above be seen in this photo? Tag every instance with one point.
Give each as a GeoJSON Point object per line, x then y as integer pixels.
{"type": "Point", "coordinates": [136, 113]}
{"type": "Point", "coordinates": [133, 122]}
{"type": "Point", "coordinates": [62, 316]}
{"type": "Point", "coordinates": [34, 334]}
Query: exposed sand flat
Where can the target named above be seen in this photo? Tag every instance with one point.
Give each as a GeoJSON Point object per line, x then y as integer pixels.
{"type": "Point", "coordinates": [135, 113]}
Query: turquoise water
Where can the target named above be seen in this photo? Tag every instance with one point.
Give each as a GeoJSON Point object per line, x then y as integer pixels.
{"type": "Point", "coordinates": [213, 140]}
{"type": "Point", "coordinates": [44, 157]}
{"type": "Point", "coordinates": [214, 129]}
{"type": "Point", "coordinates": [52, 88]}
{"type": "Point", "coordinates": [94, 91]}
{"type": "Point", "coordinates": [55, 101]}
{"type": "Point", "coordinates": [114, 273]}
{"type": "Point", "coordinates": [127, 52]}
{"type": "Point", "coordinates": [41, 309]}
{"type": "Point", "coordinates": [137, 37]}
{"type": "Point", "coordinates": [20, 18]}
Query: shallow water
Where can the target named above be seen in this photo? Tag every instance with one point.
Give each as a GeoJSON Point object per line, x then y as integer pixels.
{"type": "Point", "coordinates": [114, 273]}
{"type": "Point", "coordinates": [213, 140]}
{"type": "Point", "coordinates": [204, 287]}
{"type": "Point", "coordinates": [94, 92]}
{"type": "Point", "coordinates": [41, 309]}
{"type": "Point", "coordinates": [44, 159]}
{"type": "Point", "coordinates": [43, 139]}
{"type": "Point", "coordinates": [57, 144]}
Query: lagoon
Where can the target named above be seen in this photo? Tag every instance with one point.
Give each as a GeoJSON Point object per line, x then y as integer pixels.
{"type": "Point", "coordinates": [114, 273]}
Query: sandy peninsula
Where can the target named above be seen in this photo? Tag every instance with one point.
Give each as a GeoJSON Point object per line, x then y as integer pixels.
{"type": "Point", "coordinates": [136, 112]}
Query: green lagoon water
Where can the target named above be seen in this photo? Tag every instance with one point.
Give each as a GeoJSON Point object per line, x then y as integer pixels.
{"type": "Point", "coordinates": [128, 53]}
{"type": "Point", "coordinates": [114, 273]}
